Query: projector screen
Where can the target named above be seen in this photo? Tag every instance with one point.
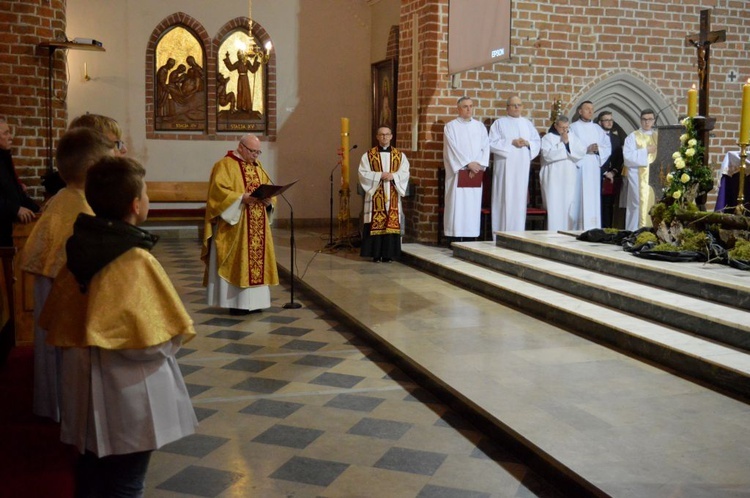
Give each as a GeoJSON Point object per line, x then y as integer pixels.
{"type": "Point", "coordinates": [478, 33]}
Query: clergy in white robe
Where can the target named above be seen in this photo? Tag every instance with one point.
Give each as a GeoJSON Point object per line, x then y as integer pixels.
{"type": "Point", "coordinates": [589, 186]}
{"type": "Point", "coordinates": [561, 151]}
{"type": "Point", "coordinates": [384, 176]}
{"type": "Point", "coordinates": [514, 143]}
{"type": "Point", "coordinates": [465, 147]}
{"type": "Point", "coordinates": [639, 152]}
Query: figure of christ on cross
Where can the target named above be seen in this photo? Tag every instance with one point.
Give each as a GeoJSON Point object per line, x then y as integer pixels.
{"type": "Point", "coordinates": [702, 42]}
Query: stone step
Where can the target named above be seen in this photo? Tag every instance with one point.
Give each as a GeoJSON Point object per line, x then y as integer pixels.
{"type": "Point", "coordinates": [712, 282]}
{"type": "Point", "coordinates": [718, 322]}
{"type": "Point", "coordinates": [722, 367]}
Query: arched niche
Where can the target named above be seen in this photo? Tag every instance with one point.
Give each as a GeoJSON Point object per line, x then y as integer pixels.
{"type": "Point", "coordinates": [259, 112]}
{"type": "Point", "coordinates": [626, 95]}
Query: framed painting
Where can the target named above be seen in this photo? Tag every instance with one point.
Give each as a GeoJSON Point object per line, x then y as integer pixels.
{"type": "Point", "coordinates": [384, 97]}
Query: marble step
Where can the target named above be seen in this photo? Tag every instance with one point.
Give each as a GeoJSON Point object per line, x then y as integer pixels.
{"type": "Point", "coordinates": [718, 322]}
{"type": "Point", "coordinates": [722, 367]}
{"type": "Point", "coordinates": [713, 282]}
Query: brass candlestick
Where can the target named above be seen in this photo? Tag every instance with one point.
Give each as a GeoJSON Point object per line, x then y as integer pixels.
{"type": "Point", "coordinates": [740, 209]}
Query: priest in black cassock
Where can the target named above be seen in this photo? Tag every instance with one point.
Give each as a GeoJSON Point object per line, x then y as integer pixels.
{"type": "Point", "coordinates": [15, 205]}
{"type": "Point", "coordinates": [384, 176]}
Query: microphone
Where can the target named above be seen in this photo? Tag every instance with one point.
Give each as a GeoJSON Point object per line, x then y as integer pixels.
{"type": "Point", "coordinates": [658, 113]}
{"type": "Point", "coordinates": [337, 164]}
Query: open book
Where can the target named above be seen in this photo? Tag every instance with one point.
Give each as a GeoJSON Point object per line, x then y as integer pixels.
{"type": "Point", "coordinates": [268, 190]}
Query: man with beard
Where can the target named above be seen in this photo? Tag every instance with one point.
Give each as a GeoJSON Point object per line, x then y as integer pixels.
{"type": "Point", "coordinates": [611, 169]}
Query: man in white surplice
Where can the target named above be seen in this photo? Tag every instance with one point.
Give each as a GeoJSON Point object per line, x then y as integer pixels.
{"type": "Point", "coordinates": [559, 174]}
{"type": "Point", "coordinates": [639, 152]}
{"type": "Point", "coordinates": [589, 184]}
{"type": "Point", "coordinates": [515, 143]}
{"type": "Point", "coordinates": [384, 176]}
{"type": "Point", "coordinates": [466, 146]}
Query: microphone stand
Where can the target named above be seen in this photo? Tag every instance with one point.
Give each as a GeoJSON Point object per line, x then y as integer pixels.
{"type": "Point", "coordinates": [292, 249]}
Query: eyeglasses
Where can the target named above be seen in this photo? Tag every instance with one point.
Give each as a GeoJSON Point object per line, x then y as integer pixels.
{"type": "Point", "coordinates": [384, 134]}
{"type": "Point", "coordinates": [252, 151]}
{"type": "Point", "coordinates": [607, 121]}
{"type": "Point", "coordinates": [119, 145]}
{"type": "Point", "coordinates": [648, 120]}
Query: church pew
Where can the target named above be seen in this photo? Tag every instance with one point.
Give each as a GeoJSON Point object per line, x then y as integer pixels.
{"type": "Point", "coordinates": [177, 197]}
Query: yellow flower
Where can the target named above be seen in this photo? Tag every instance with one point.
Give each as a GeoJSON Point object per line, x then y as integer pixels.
{"type": "Point", "coordinates": [692, 142]}
{"type": "Point", "coordinates": [677, 194]}
{"type": "Point", "coordinates": [670, 178]}
{"type": "Point", "coordinates": [679, 164]}
{"type": "Point", "coordinates": [676, 155]}
{"type": "Point", "coordinates": [684, 138]}
{"type": "Point", "coordinates": [690, 152]}
{"type": "Point", "coordinates": [685, 178]}
{"type": "Point", "coordinates": [685, 121]}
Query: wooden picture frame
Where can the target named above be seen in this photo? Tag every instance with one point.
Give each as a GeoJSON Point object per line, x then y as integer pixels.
{"type": "Point", "coordinates": [384, 82]}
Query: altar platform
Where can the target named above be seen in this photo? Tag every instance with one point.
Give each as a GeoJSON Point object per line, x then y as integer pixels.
{"type": "Point", "coordinates": [615, 376]}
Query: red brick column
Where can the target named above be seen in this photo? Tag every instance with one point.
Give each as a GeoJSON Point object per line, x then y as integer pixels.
{"type": "Point", "coordinates": [23, 82]}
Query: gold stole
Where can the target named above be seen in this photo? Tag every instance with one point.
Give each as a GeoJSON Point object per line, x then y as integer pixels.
{"type": "Point", "coordinates": [256, 226]}
{"type": "Point", "coordinates": [646, 197]}
{"type": "Point", "coordinates": [383, 223]}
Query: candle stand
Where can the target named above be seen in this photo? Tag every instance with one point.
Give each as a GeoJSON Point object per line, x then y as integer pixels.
{"type": "Point", "coordinates": [740, 209]}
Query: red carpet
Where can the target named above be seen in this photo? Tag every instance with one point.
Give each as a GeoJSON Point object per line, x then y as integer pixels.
{"type": "Point", "coordinates": [33, 461]}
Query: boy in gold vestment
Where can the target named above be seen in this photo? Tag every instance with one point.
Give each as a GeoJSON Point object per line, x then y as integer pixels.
{"type": "Point", "coordinates": [44, 253]}
{"type": "Point", "coordinates": [119, 322]}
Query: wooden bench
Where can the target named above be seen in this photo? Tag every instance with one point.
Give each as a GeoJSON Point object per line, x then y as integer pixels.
{"type": "Point", "coordinates": [176, 193]}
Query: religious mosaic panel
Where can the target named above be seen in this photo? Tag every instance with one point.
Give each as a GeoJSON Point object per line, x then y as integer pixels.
{"type": "Point", "coordinates": [241, 82]}
{"type": "Point", "coordinates": [180, 82]}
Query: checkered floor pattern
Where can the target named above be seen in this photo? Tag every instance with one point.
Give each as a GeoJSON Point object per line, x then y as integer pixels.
{"type": "Point", "coordinates": [291, 403]}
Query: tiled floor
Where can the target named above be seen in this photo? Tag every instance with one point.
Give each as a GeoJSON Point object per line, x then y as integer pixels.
{"type": "Point", "coordinates": [291, 403]}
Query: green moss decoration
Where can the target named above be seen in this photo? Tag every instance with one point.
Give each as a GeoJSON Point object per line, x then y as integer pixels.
{"type": "Point", "coordinates": [741, 250]}
{"type": "Point", "coordinates": [644, 238]}
{"type": "Point", "coordinates": [665, 247]}
{"type": "Point", "coordinates": [691, 240]}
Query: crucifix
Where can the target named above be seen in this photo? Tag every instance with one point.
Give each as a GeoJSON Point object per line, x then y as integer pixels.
{"type": "Point", "coordinates": [702, 42]}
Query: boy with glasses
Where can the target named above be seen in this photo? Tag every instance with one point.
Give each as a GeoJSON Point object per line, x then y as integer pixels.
{"type": "Point", "coordinates": [639, 152]}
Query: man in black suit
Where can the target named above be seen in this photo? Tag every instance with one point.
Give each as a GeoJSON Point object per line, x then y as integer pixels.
{"type": "Point", "coordinates": [611, 169]}
{"type": "Point", "coordinates": [15, 205]}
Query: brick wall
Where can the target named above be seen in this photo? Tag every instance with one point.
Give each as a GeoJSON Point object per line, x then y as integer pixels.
{"type": "Point", "coordinates": [23, 81]}
{"type": "Point", "coordinates": [562, 50]}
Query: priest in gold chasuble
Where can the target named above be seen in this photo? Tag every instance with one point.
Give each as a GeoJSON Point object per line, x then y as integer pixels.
{"type": "Point", "coordinates": [237, 242]}
{"type": "Point", "coordinates": [639, 152]}
{"type": "Point", "coordinates": [384, 175]}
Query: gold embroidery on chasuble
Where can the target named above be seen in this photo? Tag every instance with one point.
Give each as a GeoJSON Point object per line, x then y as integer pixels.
{"type": "Point", "coordinates": [384, 222]}
{"type": "Point", "coordinates": [256, 227]}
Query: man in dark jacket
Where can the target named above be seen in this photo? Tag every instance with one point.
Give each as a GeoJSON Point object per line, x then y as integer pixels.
{"type": "Point", "coordinates": [611, 169]}
{"type": "Point", "coordinates": [15, 205]}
